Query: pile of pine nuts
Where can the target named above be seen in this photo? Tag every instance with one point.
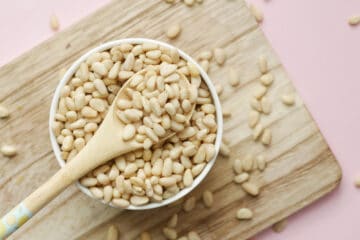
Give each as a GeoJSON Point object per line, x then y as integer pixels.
{"type": "Point", "coordinates": [158, 103]}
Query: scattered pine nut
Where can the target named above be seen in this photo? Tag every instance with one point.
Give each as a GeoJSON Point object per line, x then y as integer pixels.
{"type": "Point", "coordinates": [4, 112]}
{"type": "Point", "coordinates": [241, 178]}
{"type": "Point", "coordinates": [280, 226]}
{"type": "Point", "coordinates": [219, 88]}
{"type": "Point", "coordinates": [263, 64]}
{"type": "Point", "coordinates": [261, 162]}
{"type": "Point", "coordinates": [244, 214]}
{"type": "Point", "coordinates": [205, 55]}
{"type": "Point", "coordinates": [357, 181]}
{"type": "Point", "coordinates": [250, 188]}
{"type": "Point", "coordinates": [254, 117]}
{"type": "Point", "coordinates": [112, 233]}
{"type": "Point", "coordinates": [8, 150]}
{"type": "Point", "coordinates": [267, 79]}
{"type": "Point", "coordinates": [189, 3]}
{"type": "Point", "coordinates": [208, 198]}
{"type": "Point", "coordinates": [247, 162]}
{"type": "Point", "coordinates": [173, 221]}
{"type": "Point", "coordinates": [260, 91]}
{"type": "Point", "coordinates": [169, 233]}
{"type": "Point", "coordinates": [145, 236]}
{"type": "Point", "coordinates": [266, 137]}
{"type": "Point", "coordinates": [173, 31]}
{"type": "Point", "coordinates": [237, 166]}
{"type": "Point", "coordinates": [205, 65]}
{"type": "Point", "coordinates": [256, 12]}
{"type": "Point", "coordinates": [224, 149]}
{"type": "Point", "coordinates": [189, 204]}
{"type": "Point", "coordinates": [255, 104]}
{"type": "Point", "coordinates": [54, 23]}
{"type": "Point", "coordinates": [288, 99]}
{"type": "Point", "coordinates": [219, 56]}
{"type": "Point", "coordinates": [193, 236]}
{"type": "Point", "coordinates": [266, 105]}
{"type": "Point", "coordinates": [258, 130]}
{"type": "Point", "coordinates": [233, 77]}
{"type": "Point", "coordinates": [354, 20]}
{"type": "Point", "coordinates": [169, 1]}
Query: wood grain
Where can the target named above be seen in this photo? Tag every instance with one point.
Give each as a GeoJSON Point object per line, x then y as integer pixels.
{"type": "Point", "coordinates": [301, 169]}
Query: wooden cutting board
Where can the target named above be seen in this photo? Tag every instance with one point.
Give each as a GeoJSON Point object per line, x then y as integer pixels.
{"type": "Point", "coordinates": [301, 166]}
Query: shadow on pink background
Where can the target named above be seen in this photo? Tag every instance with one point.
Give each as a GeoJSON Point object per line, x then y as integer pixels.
{"type": "Point", "coordinates": [321, 53]}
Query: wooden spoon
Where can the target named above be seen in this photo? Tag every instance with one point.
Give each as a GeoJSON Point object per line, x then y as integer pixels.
{"type": "Point", "coordinates": [106, 144]}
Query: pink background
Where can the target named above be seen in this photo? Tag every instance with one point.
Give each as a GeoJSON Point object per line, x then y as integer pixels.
{"type": "Point", "coordinates": [321, 53]}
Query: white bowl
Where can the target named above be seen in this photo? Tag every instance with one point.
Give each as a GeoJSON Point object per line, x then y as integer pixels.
{"type": "Point", "coordinates": [70, 72]}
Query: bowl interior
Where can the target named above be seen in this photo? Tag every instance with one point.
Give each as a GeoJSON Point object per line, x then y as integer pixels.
{"type": "Point", "coordinates": [70, 72]}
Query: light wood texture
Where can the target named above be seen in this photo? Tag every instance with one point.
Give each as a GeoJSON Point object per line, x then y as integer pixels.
{"type": "Point", "coordinates": [301, 166]}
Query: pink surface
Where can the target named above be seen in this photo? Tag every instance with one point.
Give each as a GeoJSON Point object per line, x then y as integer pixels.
{"type": "Point", "coordinates": [321, 54]}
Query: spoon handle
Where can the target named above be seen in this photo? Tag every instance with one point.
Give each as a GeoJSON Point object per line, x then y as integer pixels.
{"type": "Point", "coordinates": [35, 201]}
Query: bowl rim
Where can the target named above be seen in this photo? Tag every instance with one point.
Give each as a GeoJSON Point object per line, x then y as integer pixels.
{"type": "Point", "coordinates": [105, 46]}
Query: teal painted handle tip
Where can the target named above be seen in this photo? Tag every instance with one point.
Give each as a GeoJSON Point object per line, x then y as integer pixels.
{"type": "Point", "coordinates": [13, 220]}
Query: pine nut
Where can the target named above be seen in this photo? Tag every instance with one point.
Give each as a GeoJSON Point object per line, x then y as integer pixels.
{"type": "Point", "coordinates": [188, 178]}
{"type": "Point", "coordinates": [261, 162]}
{"type": "Point", "coordinates": [257, 13]}
{"type": "Point", "coordinates": [197, 169]}
{"type": "Point", "coordinates": [241, 178]}
{"type": "Point", "coordinates": [219, 56]}
{"type": "Point", "coordinates": [4, 112]}
{"type": "Point", "coordinates": [112, 233]}
{"type": "Point", "coordinates": [96, 192]}
{"type": "Point", "coordinates": [254, 118]}
{"type": "Point", "coordinates": [244, 214]}
{"type": "Point", "coordinates": [288, 99]}
{"type": "Point", "coordinates": [205, 65]}
{"type": "Point", "coordinates": [266, 105]}
{"type": "Point", "coordinates": [173, 31]}
{"type": "Point", "coordinates": [8, 150]}
{"type": "Point", "coordinates": [193, 236]}
{"type": "Point", "coordinates": [205, 55]}
{"type": "Point", "coordinates": [173, 221]}
{"type": "Point", "coordinates": [54, 23]}
{"type": "Point", "coordinates": [250, 188]}
{"type": "Point", "coordinates": [219, 88]}
{"type": "Point", "coordinates": [237, 166]}
{"type": "Point", "coordinates": [208, 198]}
{"type": "Point", "coordinates": [267, 79]}
{"type": "Point", "coordinates": [258, 130]}
{"type": "Point", "coordinates": [256, 105]}
{"type": "Point", "coordinates": [169, 233]}
{"type": "Point", "coordinates": [354, 20]}
{"type": "Point", "coordinates": [248, 162]}
{"type": "Point", "coordinates": [129, 132]}
{"type": "Point", "coordinates": [120, 202]}
{"type": "Point", "coordinates": [260, 91]}
{"type": "Point", "coordinates": [189, 204]}
{"type": "Point", "coordinates": [224, 150]}
{"type": "Point", "coordinates": [263, 64]}
{"type": "Point", "coordinates": [266, 137]}
{"type": "Point", "coordinates": [189, 3]}
{"type": "Point", "coordinates": [226, 113]}
{"type": "Point", "coordinates": [233, 77]}
{"type": "Point", "coordinates": [88, 182]}
{"type": "Point", "coordinates": [139, 200]}
{"type": "Point", "coordinates": [279, 226]}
